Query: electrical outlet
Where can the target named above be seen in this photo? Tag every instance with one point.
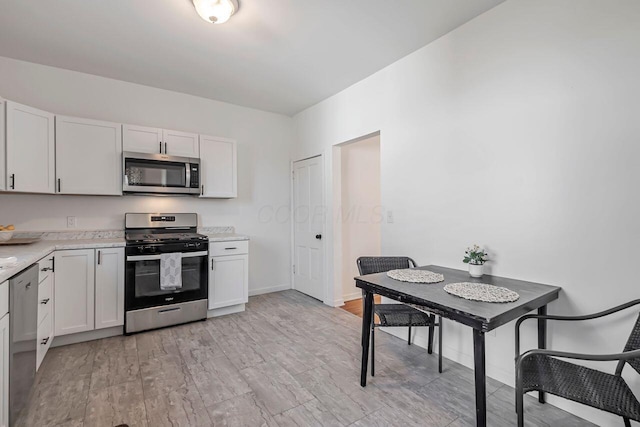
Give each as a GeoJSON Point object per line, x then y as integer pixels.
{"type": "Point", "coordinates": [390, 217]}
{"type": "Point", "coordinates": [72, 222]}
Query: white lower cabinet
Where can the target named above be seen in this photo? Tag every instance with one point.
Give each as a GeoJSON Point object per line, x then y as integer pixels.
{"type": "Point", "coordinates": [74, 291]}
{"type": "Point", "coordinates": [45, 331]}
{"type": "Point", "coordinates": [109, 287]}
{"type": "Point", "coordinates": [228, 276]}
{"type": "Point", "coordinates": [4, 370]}
{"type": "Point", "coordinates": [4, 354]}
{"type": "Point", "coordinates": [89, 290]}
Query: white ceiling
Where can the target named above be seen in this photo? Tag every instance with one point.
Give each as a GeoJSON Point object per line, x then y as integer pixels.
{"type": "Point", "coordinates": [274, 55]}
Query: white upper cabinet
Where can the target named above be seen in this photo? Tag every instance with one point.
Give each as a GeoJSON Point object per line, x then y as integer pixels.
{"type": "Point", "coordinates": [218, 167]}
{"type": "Point", "coordinates": [30, 149]}
{"type": "Point", "coordinates": [140, 139]}
{"type": "Point", "coordinates": [88, 156]}
{"type": "Point", "coordinates": [183, 144]}
{"type": "Point", "coordinates": [3, 171]}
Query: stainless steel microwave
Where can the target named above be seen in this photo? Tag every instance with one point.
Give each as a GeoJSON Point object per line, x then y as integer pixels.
{"type": "Point", "coordinates": [161, 174]}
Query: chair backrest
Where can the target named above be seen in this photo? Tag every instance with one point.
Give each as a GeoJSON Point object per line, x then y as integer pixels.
{"type": "Point", "coordinates": [380, 264]}
{"type": "Point", "coordinates": [633, 343]}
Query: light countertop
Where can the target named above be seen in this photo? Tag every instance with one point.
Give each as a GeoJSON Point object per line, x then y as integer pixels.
{"type": "Point", "coordinates": [28, 254]}
{"type": "Point", "coordinates": [225, 237]}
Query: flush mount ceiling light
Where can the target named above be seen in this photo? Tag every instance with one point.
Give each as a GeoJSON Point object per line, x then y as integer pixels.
{"type": "Point", "coordinates": [216, 11]}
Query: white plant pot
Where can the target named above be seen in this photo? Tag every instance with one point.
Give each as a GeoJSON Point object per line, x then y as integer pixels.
{"type": "Point", "coordinates": [475, 270]}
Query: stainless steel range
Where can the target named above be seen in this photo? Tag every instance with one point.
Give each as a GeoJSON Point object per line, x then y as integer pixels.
{"type": "Point", "coordinates": [166, 279]}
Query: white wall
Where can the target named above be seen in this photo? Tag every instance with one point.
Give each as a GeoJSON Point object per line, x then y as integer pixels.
{"type": "Point", "coordinates": [360, 208]}
{"type": "Point", "coordinates": [264, 147]}
{"type": "Point", "coordinates": [517, 131]}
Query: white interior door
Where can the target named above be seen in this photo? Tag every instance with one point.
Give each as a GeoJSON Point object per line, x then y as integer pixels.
{"type": "Point", "coordinates": [308, 219]}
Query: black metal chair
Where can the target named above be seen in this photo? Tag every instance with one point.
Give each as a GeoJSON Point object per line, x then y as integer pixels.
{"type": "Point", "coordinates": [544, 371]}
{"type": "Point", "coordinates": [396, 315]}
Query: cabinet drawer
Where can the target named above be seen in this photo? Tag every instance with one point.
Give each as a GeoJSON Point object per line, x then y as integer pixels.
{"type": "Point", "coordinates": [4, 298]}
{"type": "Point", "coordinates": [45, 267]}
{"type": "Point", "coordinates": [45, 298]}
{"type": "Point", "coordinates": [45, 336]}
{"type": "Point", "coordinates": [236, 247]}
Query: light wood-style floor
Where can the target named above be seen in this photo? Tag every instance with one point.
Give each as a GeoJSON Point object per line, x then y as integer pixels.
{"type": "Point", "coordinates": [287, 361]}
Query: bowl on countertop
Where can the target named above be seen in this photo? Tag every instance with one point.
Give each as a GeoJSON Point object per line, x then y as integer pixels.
{"type": "Point", "coordinates": [5, 235]}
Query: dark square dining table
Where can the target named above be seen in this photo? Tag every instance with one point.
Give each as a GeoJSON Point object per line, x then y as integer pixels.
{"type": "Point", "coordinates": [482, 317]}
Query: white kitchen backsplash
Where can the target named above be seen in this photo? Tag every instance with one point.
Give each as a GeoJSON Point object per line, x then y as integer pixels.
{"type": "Point", "coordinates": [103, 234]}
{"type": "Point", "coordinates": [217, 230]}
{"type": "Point", "coordinates": [73, 235]}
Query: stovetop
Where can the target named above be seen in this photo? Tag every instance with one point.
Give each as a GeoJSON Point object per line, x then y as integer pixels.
{"type": "Point", "coordinates": [133, 237]}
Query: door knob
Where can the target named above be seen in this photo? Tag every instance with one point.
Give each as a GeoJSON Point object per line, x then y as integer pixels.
{"type": "Point", "coordinates": [319, 236]}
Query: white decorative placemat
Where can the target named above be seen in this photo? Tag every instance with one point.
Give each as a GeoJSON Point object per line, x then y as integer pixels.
{"type": "Point", "coordinates": [415, 276]}
{"type": "Point", "coordinates": [481, 292]}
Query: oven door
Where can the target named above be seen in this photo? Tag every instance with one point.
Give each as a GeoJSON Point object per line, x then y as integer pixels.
{"type": "Point", "coordinates": [142, 282]}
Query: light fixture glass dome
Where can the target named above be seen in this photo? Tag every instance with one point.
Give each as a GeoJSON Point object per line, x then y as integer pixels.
{"type": "Point", "coordinates": [216, 11]}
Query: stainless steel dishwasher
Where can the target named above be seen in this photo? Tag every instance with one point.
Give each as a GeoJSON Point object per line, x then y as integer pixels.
{"type": "Point", "coordinates": [23, 323]}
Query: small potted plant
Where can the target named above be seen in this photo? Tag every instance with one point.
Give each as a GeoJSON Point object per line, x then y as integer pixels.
{"type": "Point", "coordinates": [475, 256]}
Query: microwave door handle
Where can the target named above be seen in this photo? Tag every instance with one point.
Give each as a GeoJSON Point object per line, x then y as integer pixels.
{"type": "Point", "coordinates": [188, 174]}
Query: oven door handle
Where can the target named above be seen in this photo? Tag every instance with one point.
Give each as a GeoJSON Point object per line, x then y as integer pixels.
{"type": "Point", "coordinates": [156, 257]}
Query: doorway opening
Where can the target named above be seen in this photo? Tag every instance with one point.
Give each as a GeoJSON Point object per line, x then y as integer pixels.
{"type": "Point", "coordinates": [357, 197]}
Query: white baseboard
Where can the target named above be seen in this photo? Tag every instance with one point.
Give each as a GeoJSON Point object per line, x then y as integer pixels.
{"type": "Point", "coordinates": [87, 336]}
{"type": "Point", "coordinates": [337, 303]}
{"type": "Point", "coordinates": [352, 296]}
{"type": "Point", "coordinates": [269, 289]}
{"type": "Point", "coordinates": [225, 310]}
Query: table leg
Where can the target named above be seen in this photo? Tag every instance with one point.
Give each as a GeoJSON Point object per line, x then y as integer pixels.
{"type": "Point", "coordinates": [366, 335]}
{"type": "Point", "coordinates": [480, 378]}
{"type": "Point", "coordinates": [542, 340]}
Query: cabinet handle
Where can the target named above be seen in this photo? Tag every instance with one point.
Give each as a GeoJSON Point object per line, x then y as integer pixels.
{"type": "Point", "coordinates": [202, 191]}
{"type": "Point", "coordinates": [59, 185]}
{"type": "Point", "coordinates": [13, 181]}
{"type": "Point", "coordinates": [44, 341]}
{"type": "Point", "coordinates": [46, 269]}
{"type": "Point", "coordinates": [99, 257]}
{"type": "Point", "coordinates": [160, 147]}
{"type": "Point", "coordinates": [165, 148]}
{"type": "Point", "coordinates": [44, 301]}
{"type": "Point", "coordinates": [212, 264]}
{"type": "Point", "coordinates": [230, 249]}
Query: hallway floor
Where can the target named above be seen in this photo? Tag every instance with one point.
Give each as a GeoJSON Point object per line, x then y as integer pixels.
{"type": "Point", "coordinates": [286, 361]}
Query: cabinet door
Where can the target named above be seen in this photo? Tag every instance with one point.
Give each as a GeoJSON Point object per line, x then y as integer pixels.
{"type": "Point", "coordinates": [140, 139]}
{"type": "Point", "coordinates": [74, 291]}
{"type": "Point", "coordinates": [228, 280]}
{"type": "Point", "coordinates": [30, 149]}
{"type": "Point", "coordinates": [3, 171]}
{"type": "Point", "coordinates": [4, 371]}
{"type": "Point", "coordinates": [184, 144]}
{"type": "Point", "coordinates": [109, 287]}
{"type": "Point", "coordinates": [218, 166]}
{"type": "Point", "coordinates": [88, 156]}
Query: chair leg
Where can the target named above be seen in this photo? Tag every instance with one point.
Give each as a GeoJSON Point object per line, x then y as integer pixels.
{"type": "Point", "coordinates": [519, 400]}
{"type": "Point", "coordinates": [409, 337]}
{"type": "Point", "coordinates": [440, 344]}
{"type": "Point", "coordinates": [431, 328]}
{"type": "Point", "coordinates": [627, 423]}
{"type": "Point", "coordinates": [373, 351]}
